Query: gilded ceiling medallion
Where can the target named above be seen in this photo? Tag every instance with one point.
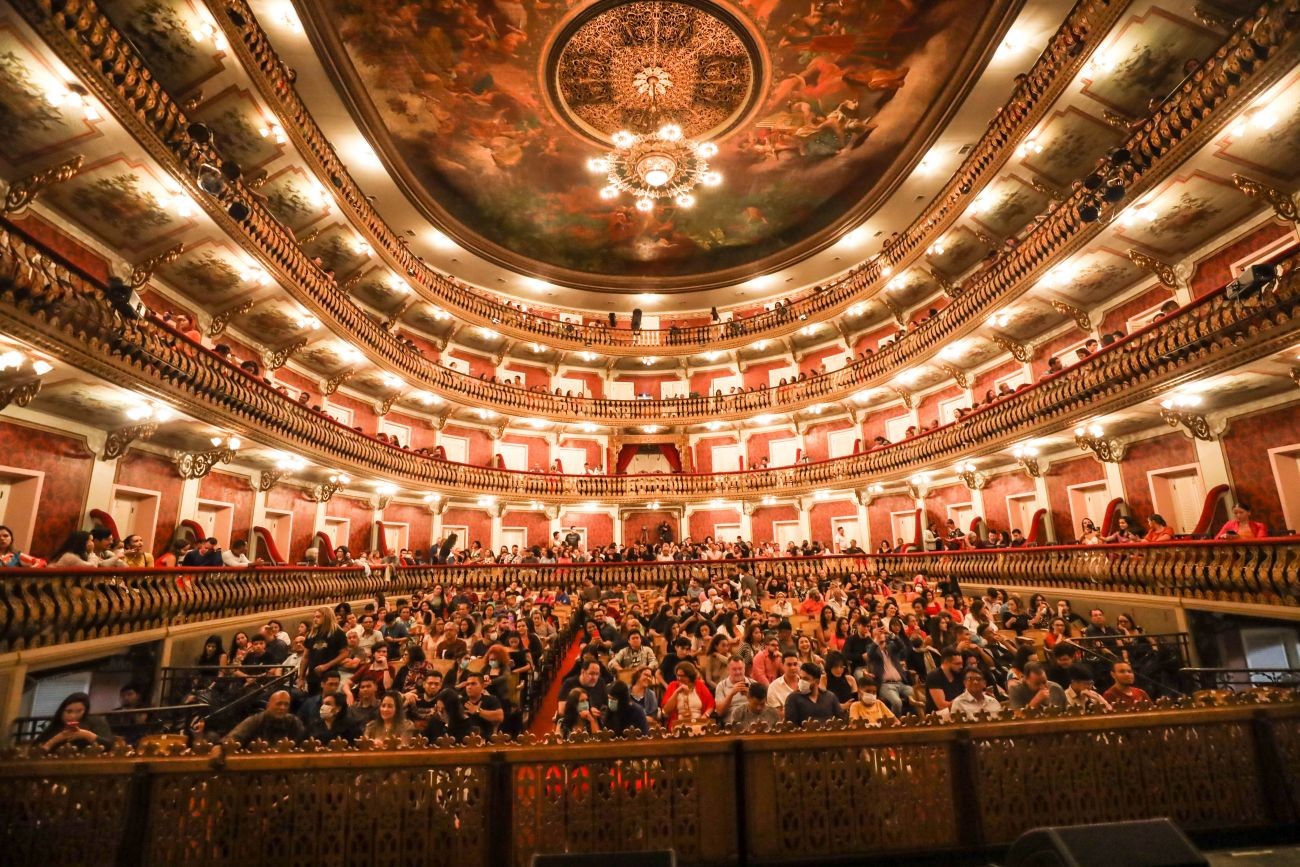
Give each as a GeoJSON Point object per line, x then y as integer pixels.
{"type": "Point", "coordinates": [641, 64]}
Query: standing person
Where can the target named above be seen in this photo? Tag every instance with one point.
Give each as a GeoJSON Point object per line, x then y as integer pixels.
{"type": "Point", "coordinates": [327, 647]}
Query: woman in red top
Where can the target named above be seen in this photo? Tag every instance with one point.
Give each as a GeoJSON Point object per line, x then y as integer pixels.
{"type": "Point", "coordinates": [1241, 526]}
{"type": "Point", "coordinates": [1158, 530]}
{"type": "Point", "coordinates": [687, 699]}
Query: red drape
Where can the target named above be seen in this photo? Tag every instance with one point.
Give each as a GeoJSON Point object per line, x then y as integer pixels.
{"type": "Point", "coordinates": [673, 457]}
{"type": "Point", "coordinates": [625, 456]}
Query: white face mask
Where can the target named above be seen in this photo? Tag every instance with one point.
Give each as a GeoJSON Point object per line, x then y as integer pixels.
{"type": "Point", "coordinates": [805, 686]}
{"type": "Point", "coordinates": [327, 712]}
{"type": "Point", "coordinates": [868, 698]}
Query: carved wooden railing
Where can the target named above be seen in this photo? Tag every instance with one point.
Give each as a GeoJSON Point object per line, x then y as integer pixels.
{"type": "Point", "coordinates": [1066, 53]}
{"type": "Point", "coordinates": [44, 607]}
{"type": "Point", "coordinates": [715, 799]}
{"type": "Point", "coordinates": [1256, 53]}
{"type": "Point", "coordinates": [62, 312]}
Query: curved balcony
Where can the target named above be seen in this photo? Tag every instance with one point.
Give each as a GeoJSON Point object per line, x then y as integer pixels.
{"type": "Point", "coordinates": [46, 607]}
{"type": "Point", "coordinates": [65, 314]}
{"type": "Point", "coordinates": [1066, 53]}
{"type": "Point", "coordinates": [1240, 69]}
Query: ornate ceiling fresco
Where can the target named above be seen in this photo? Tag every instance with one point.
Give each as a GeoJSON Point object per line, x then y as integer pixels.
{"type": "Point", "coordinates": [488, 112]}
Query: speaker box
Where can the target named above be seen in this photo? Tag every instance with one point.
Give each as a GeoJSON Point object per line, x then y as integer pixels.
{"type": "Point", "coordinates": [659, 858]}
{"type": "Point", "coordinates": [1147, 843]}
{"type": "Point", "coordinates": [1251, 279]}
{"type": "Point", "coordinates": [636, 319]}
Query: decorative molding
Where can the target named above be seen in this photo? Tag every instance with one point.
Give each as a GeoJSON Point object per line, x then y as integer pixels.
{"type": "Point", "coordinates": [117, 441]}
{"type": "Point", "coordinates": [144, 271]}
{"type": "Point", "coordinates": [1284, 204]}
{"type": "Point", "coordinates": [324, 492]}
{"type": "Point", "coordinates": [1031, 465]}
{"type": "Point", "coordinates": [1196, 425]}
{"type": "Point", "coordinates": [918, 491]}
{"type": "Point", "coordinates": [196, 465]}
{"type": "Point", "coordinates": [387, 404]}
{"type": "Point", "coordinates": [1295, 375]}
{"type": "Point", "coordinates": [219, 322]}
{"type": "Point", "coordinates": [1080, 316]}
{"type": "Point", "coordinates": [1213, 17]}
{"type": "Point", "coordinates": [332, 384]}
{"type": "Point", "coordinates": [21, 394]}
{"type": "Point", "coordinates": [1052, 191]}
{"type": "Point", "coordinates": [949, 288]}
{"type": "Point", "coordinates": [278, 358]}
{"type": "Point", "coordinates": [1166, 274]}
{"type": "Point", "coordinates": [904, 394]}
{"type": "Point", "coordinates": [1019, 351]}
{"type": "Point", "coordinates": [267, 479]}
{"type": "Point", "coordinates": [381, 501]}
{"type": "Point", "coordinates": [958, 375]}
{"type": "Point", "coordinates": [23, 191]}
{"type": "Point", "coordinates": [893, 308]}
{"type": "Point", "coordinates": [1108, 450]}
{"type": "Point", "coordinates": [986, 239]}
{"type": "Point", "coordinates": [973, 479]}
{"type": "Point", "coordinates": [1116, 120]}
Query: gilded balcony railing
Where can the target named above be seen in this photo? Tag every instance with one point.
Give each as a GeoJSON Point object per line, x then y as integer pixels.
{"type": "Point", "coordinates": [45, 607]}
{"type": "Point", "coordinates": [1066, 53]}
{"type": "Point", "coordinates": [51, 306]}
{"type": "Point", "coordinates": [714, 799]}
{"type": "Point", "coordinates": [1255, 54]}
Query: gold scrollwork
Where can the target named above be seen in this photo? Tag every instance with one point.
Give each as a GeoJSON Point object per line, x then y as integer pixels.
{"type": "Point", "coordinates": [332, 384]}
{"type": "Point", "coordinates": [949, 288]}
{"type": "Point", "coordinates": [1196, 424]}
{"type": "Point", "coordinates": [116, 443]}
{"type": "Point", "coordinates": [196, 465]}
{"type": "Point", "coordinates": [21, 394]}
{"type": "Point", "coordinates": [267, 479]}
{"type": "Point", "coordinates": [324, 492]}
{"type": "Point", "coordinates": [1019, 351]}
{"type": "Point", "coordinates": [278, 358]}
{"type": "Point", "coordinates": [143, 272]}
{"type": "Point", "coordinates": [1078, 314]}
{"type": "Point", "coordinates": [22, 191]}
{"type": "Point", "coordinates": [1108, 450]}
{"type": "Point", "coordinates": [958, 375]}
{"type": "Point", "coordinates": [904, 394]}
{"type": "Point", "coordinates": [1163, 272]}
{"type": "Point", "coordinates": [973, 479]}
{"type": "Point", "coordinates": [1284, 204]}
{"type": "Point", "coordinates": [1030, 465]}
{"type": "Point", "coordinates": [219, 322]}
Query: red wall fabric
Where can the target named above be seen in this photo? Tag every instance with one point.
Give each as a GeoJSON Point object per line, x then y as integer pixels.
{"type": "Point", "coordinates": [474, 365]}
{"type": "Point", "coordinates": [703, 522]}
{"type": "Point", "coordinates": [535, 524]}
{"type": "Point", "coordinates": [1246, 445]}
{"type": "Point", "coordinates": [595, 383]}
{"type": "Point", "coordinates": [1216, 270]}
{"type": "Point", "coordinates": [648, 520]}
{"type": "Point", "coordinates": [1116, 319]}
{"type": "Point", "coordinates": [294, 500]}
{"type": "Point", "coordinates": [928, 408]}
{"type": "Point", "coordinates": [363, 413]}
{"type": "Point", "coordinates": [819, 518]}
{"type": "Point", "coordinates": [760, 445]}
{"type": "Point", "coordinates": [989, 378]}
{"type": "Point", "coordinates": [704, 451]}
{"type": "Point", "coordinates": [532, 376]}
{"type": "Point", "coordinates": [138, 469]}
{"type": "Point", "coordinates": [878, 517]}
{"type": "Point", "coordinates": [595, 453]}
{"type": "Point", "coordinates": [599, 526]}
{"type": "Point", "coordinates": [939, 499]}
{"type": "Point", "coordinates": [479, 449]}
{"type": "Point", "coordinates": [1158, 453]}
{"type": "Point", "coordinates": [478, 522]}
{"type": "Point", "coordinates": [233, 489]}
{"type": "Point", "coordinates": [67, 249]}
{"type": "Point", "coordinates": [765, 516]}
{"type": "Point", "coordinates": [816, 438]}
{"type": "Point", "coordinates": [648, 383]}
{"type": "Point", "coordinates": [756, 375]}
{"type": "Point", "coordinates": [418, 520]}
{"type": "Point", "coordinates": [539, 451]}
{"type": "Point", "coordinates": [66, 463]}
{"type": "Point", "coordinates": [1060, 477]}
{"type": "Point", "coordinates": [995, 494]}
{"type": "Point", "coordinates": [361, 520]}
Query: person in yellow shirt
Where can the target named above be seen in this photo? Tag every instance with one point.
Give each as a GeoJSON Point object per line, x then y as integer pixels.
{"type": "Point", "coordinates": [869, 707]}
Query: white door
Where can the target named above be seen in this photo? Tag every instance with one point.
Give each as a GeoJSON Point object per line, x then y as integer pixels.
{"type": "Point", "coordinates": [456, 448]}
{"type": "Point", "coordinates": [462, 536]}
{"type": "Point", "coordinates": [1020, 510]}
{"type": "Point", "coordinates": [839, 444]}
{"type": "Point", "coordinates": [514, 536]}
{"type": "Point", "coordinates": [850, 527]}
{"type": "Point", "coordinates": [896, 428]}
{"type": "Point", "coordinates": [783, 453]}
{"type": "Point", "coordinates": [726, 532]}
{"type": "Point", "coordinates": [515, 456]}
{"type": "Point", "coordinates": [279, 525]}
{"type": "Point", "coordinates": [401, 431]}
{"type": "Point", "coordinates": [774, 377]}
{"type": "Point", "coordinates": [785, 532]}
{"type": "Point", "coordinates": [724, 384]}
{"type": "Point", "coordinates": [572, 460]}
{"type": "Point", "coordinates": [135, 511]}
{"type": "Point", "coordinates": [337, 531]}
{"type": "Point", "coordinates": [565, 530]}
{"type": "Point", "coordinates": [622, 390]}
{"type": "Point", "coordinates": [1178, 496]}
{"type": "Point", "coordinates": [948, 409]}
{"type": "Point", "coordinates": [675, 388]}
{"type": "Point", "coordinates": [726, 459]}
{"type": "Point", "coordinates": [1088, 501]}
{"type": "Point", "coordinates": [396, 536]}
{"type": "Point", "coordinates": [577, 386]}
{"type": "Point", "coordinates": [216, 519]}
{"type": "Point", "coordinates": [962, 514]}
{"type": "Point", "coordinates": [903, 526]}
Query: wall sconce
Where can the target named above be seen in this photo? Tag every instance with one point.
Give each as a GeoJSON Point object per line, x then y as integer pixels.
{"type": "Point", "coordinates": [971, 477]}
{"type": "Point", "coordinates": [1027, 457]}
{"type": "Point", "coordinates": [325, 491]}
{"type": "Point", "coordinates": [1093, 438]}
{"type": "Point", "coordinates": [1176, 411]}
{"type": "Point", "coordinates": [196, 465]}
{"type": "Point", "coordinates": [919, 486]}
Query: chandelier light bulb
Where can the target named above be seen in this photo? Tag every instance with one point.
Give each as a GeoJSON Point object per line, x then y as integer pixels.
{"type": "Point", "coordinates": [644, 204]}
{"type": "Point", "coordinates": [711, 179]}
{"type": "Point", "coordinates": [656, 177]}
{"type": "Point", "coordinates": [670, 132]}
{"type": "Point", "coordinates": [707, 149]}
{"type": "Point", "coordinates": [609, 192]}
{"type": "Point", "coordinates": [623, 139]}
{"type": "Point", "coordinates": [685, 200]}
{"type": "Point", "coordinates": [597, 165]}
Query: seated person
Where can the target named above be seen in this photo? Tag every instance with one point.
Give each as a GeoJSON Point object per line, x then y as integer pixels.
{"type": "Point", "coordinates": [868, 706]}
{"type": "Point", "coordinates": [330, 719]}
{"type": "Point", "coordinates": [1035, 690]}
{"type": "Point", "coordinates": [975, 701]}
{"type": "Point", "coordinates": [271, 725]}
{"type": "Point", "coordinates": [1122, 692]}
{"type": "Point", "coordinates": [1080, 692]}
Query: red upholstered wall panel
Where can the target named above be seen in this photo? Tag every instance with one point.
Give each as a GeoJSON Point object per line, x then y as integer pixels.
{"type": "Point", "coordinates": [139, 469]}
{"type": "Point", "coordinates": [1055, 347]}
{"type": "Point", "coordinates": [765, 516]}
{"type": "Point", "coordinates": [1246, 445]}
{"type": "Point", "coordinates": [536, 524]}
{"type": "Point", "coordinates": [539, 451]}
{"type": "Point", "coordinates": [532, 376]}
{"type": "Point", "coordinates": [478, 522]}
{"type": "Point", "coordinates": [1216, 270]}
{"type": "Point", "coordinates": [419, 523]}
{"type": "Point", "coordinates": [361, 518]}
{"type": "Point", "coordinates": [878, 517]}
{"type": "Point", "coordinates": [1060, 477]}
{"type": "Point", "coordinates": [599, 526]}
{"type": "Point", "coordinates": [363, 413]}
{"type": "Point", "coordinates": [995, 497]}
{"type": "Point", "coordinates": [474, 365]}
{"type": "Point", "coordinates": [816, 438]}
{"type": "Point", "coordinates": [757, 374]}
{"type": "Point", "coordinates": [236, 490]}
{"type": "Point", "coordinates": [929, 405]}
{"type": "Point", "coordinates": [421, 434]}
{"type": "Point", "coordinates": [1116, 319]}
{"type": "Point", "coordinates": [760, 445]}
{"type": "Point", "coordinates": [1170, 450]}
{"type": "Point", "coordinates": [68, 249]}
{"type": "Point", "coordinates": [294, 500]}
{"type": "Point", "coordinates": [819, 519]}
{"type": "Point", "coordinates": [649, 521]}
{"type": "Point", "coordinates": [704, 451]}
{"type": "Point", "coordinates": [703, 522]}
{"type": "Point", "coordinates": [937, 503]}
{"type": "Point", "coordinates": [989, 378]}
{"type": "Point", "coordinates": [595, 453]}
{"type": "Point", "coordinates": [595, 385]}
{"type": "Point", "coordinates": [66, 463]}
{"type": "Point", "coordinates": [479, 450]}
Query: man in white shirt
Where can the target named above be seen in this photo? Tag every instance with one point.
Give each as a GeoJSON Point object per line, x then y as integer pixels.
{"type": "Point", "coordinates": [732, 692]}
{"type": "Point", "coordinates": [1080, 692]}
{"type": "Point", "coordinates": [367, 635]}
{"type": "Point", "coordinates": [236, 554]}
{"type": "Point", "coordinates": [780, 689]}
{"type": "Point", "coordinates": [975, 700]}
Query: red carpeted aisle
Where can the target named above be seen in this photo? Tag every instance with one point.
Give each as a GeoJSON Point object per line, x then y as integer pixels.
{"type": "Point", "coordinates": [543, 722]}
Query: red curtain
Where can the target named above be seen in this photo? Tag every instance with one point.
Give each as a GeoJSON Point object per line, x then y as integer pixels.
{"type": "Point", "coordinates": [673, 456]}
{"type": "Point", "coordinates": [625, 456]}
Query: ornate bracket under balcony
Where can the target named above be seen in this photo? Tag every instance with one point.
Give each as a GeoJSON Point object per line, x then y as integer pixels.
{"type": "Point", "coordinates": [332, 384]}
{"type": "Point", "coordinates": [23, 191]}
{"type": "Point", "coordinates": [1019, 351]}
{"type": "Point", "coordinates": [1214, 17]}
{"type": "Point", "coordinates": [1168, 275]}
{"type": "Point", "coordinates": [949, 288]}
{"type": "Point", "coordinates": [1197, 425]}
{"type": "Point", "coordinates": [117, 441]}
{"type": "Point", "coordinates": [144, 271]}
{"type": "Point", "coordinates": [918, 490]}
{"type": "Point", "coordinates": [387, 404]}
{"type": "Point", "coordinates": [196, 465]}
{"type": "Point", "coordinates": [1080, 316]}
{"type": "Point", "coordinates": [278, 358]}
{"type": "Point", "coordinates": [324, 492]}
{"type": "Point", "coordinates": [903, 394]}
{"type": "Point", "coordinates": [1284, 204]}
{"type": "Point", "coordinates": [1295, 375]}
{"type": "Point", "coordinates": [1108, 450]}
{"type": "Point", "coordinates": [395, 319]}
{"type": "Point", "coordinates": [218, 325]}
{"type": "Point", "coordinates": [19, 393]}
{"type": "Point", "coordinates": [973, 479]}
{"type": "Point", "coordinates": [1052, 191]}
{"type": "Point", "coordinates": [1116, 120]}
{"type": "Point", "coordinates": [893, 308]}
{"type": "Point", "coordinates": [381, 501]}
{"type": "Point", "coordinates": [267, 479]}
{"type": "Point", "coordinates": [958, 375]}
{"type": "Point", "coordinates": [866, 496]}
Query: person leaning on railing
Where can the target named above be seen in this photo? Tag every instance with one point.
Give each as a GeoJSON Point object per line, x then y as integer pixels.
{"type": "Point", "coordinates": [74, 725]}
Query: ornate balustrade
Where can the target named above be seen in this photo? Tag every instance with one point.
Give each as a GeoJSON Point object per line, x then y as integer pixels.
{"type": "Point", "coordinates": [43, 607]}
{"type": "Point", "coordinates": [1066, 53]}
{"type": "Point", "coordinates": [1258, 51]}
{"type": "Point", "coordinates": [716, 799]}
{"type": "Point", "coordinates": [51, 306]}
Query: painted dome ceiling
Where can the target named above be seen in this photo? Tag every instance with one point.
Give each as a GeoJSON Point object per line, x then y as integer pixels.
{"type": "Point", "coordinates": [488, 113]}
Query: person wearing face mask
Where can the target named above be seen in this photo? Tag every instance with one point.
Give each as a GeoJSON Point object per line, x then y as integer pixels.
{"type": "Point", "coordinates": [869, 707]}
{"type": "Point", "coordinates": [810, 701]}
{"type": "Point", "coordinates": [624, 713]}
{"type": "Point", "coordinates": [578, 715]}
{"type": "Point", "coordinates": [332, 720]}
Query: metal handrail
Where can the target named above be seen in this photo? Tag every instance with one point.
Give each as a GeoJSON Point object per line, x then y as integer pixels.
{"type": "Point", "coordinates": [25, 729]}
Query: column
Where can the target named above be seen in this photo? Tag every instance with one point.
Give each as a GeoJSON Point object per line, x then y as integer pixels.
{"type": "Point", "coordinates": [619, 517]}
{"type": "Point", "coordinates": [864, 527]}
{"type": "Point", "coordinates": [259, 514]}
{"type": "Point", "coordinates": [805, 516]}
{"type": "Point", "coordinates": [1213, 462]}
{"type": "Point", "coordinates": [189, 506]}
{"type": "Point", "coordinates": [1114, 479]}
{"type": "Point", "coordinates": [376, 516]}
{"type": "Point", "coordinates": [496, 510]}
{"type": "Point", "coordinates": [99, 493]}
{"type": "Point", "coordinates": [747, 521]}
{"type": "Point", "coordinates": [1040, 495]}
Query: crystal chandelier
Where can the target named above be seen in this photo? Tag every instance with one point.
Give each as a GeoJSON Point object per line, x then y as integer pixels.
{"type": "Point", "coordinates": [653, 166]}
